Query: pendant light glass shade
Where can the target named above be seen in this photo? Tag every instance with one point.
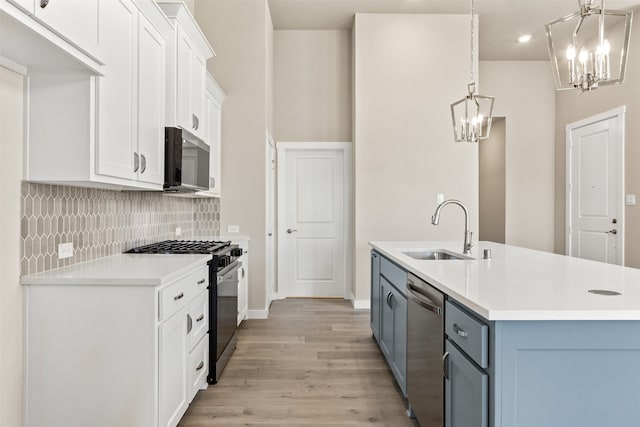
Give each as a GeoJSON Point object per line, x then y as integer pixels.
{"type": "Point", "coordinates": [589, 47]}
{"type": "Point", "coordinates": [472, 115]}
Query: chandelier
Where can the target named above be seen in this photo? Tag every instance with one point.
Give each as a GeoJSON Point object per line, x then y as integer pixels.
{"type": "Point", "coordinates": [472, 114]}
{"type": "Point", "coordinates": [589, 47]}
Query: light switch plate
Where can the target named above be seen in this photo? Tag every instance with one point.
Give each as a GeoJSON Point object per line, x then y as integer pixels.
{"type": "Point", "coordinates": [233, 229]}
{"type": "Point", "coordinates": [178, 231]}
{"type": "Point", "coordinates": [65, 250]}
{"type": "Point", "coordinates": [631, 199]}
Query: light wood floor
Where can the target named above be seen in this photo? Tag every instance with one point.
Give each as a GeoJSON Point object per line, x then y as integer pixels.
{"type": "Point", "coordinates": [312, 363]}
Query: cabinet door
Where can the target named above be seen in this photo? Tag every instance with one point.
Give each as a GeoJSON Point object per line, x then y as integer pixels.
{"type": "Point", "coordinates": [214, 133]}
{"type": "Point", "coordinates": [151, 103]}
{"type": "Point", "coordinates": [185, 62]}
{"type": "Point", "coordinates": [466, 398]}
{"type": "Point", "coordinates": [375, 295]}
{"type": "Point", "coordinates": [75, 20]}
{"type": "Point", "coordinates": [116, 143]}
{"type": "Point", "coordinates": [386, 319]}
{"type": "Point", "coordinates": [399, 363]}
{"type": "Point", "coordinates": [174, 372]}
{"type": "Point", "coordinates": [26, 5]}
{"type": "Point", "coordinates": [243, 288]}
{"type": "Point", "coordinates": [198, 87]}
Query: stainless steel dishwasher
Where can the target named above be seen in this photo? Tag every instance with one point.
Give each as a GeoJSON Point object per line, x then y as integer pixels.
{"type": "Point", "coordinates": [425, 342]}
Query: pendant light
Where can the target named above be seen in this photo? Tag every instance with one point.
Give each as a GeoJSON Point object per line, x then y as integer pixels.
{"type": "Point", "coordinates": [472, 115]}
{"type": "Point", "coordinates": [589, 47]}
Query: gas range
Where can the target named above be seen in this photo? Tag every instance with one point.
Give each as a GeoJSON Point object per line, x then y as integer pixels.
{"type": "Point", "coordinates": [225, 253]}
{"type": "Point", "coordinates": [223, 293]}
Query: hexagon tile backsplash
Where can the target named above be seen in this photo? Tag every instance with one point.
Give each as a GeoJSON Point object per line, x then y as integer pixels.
{"type": "Point", "coordinates": [103, 222]}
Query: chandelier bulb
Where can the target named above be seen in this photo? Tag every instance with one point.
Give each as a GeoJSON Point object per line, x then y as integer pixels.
{"type": "Point", "coordinates": [583, 56]}
{"type": "Point", "coordinates": [606, 47]}
{"type": "Point", "coordinates": [571, 52]}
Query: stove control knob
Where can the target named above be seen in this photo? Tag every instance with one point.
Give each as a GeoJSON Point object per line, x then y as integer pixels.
{"type": "Point", "coordinates": [237, 252]}
{"type": "Point", "coordinates": [223, 261]}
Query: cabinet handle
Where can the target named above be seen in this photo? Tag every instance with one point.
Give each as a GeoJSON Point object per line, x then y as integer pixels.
{"type": "Point", "coordinates": [44, 3]}
{"type": "Point", "coordinates": [201, 281]}
{"type": "Point", "coordinates": [445, 366]}
{"type": "Point", "coordinates": [242, 272]}
{"type": "Point", "coordinates": [189, 323]}
{"type": "Point", "coordinates": [458, 330]}
{"type": "Point", "coordinates": [200, 365]}
{"type": "Point", "coordinates": [374, 255]}
{"type": "Point", "coordinates": [179, 296]}
{"type": "Point", "coordinates": [144, 163]}
{"type": "Point", "coordinates": [389, 297]}
{"type": "Point", "coordinates": [196, 122]}
{"type": "Point", "coordinates": [136, 162]}
{"type": "Point", "coordinates": [199, 319]}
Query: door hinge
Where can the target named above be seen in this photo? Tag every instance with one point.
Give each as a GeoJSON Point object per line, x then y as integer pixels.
{"type": "Point", "coordinates": [570, 230]}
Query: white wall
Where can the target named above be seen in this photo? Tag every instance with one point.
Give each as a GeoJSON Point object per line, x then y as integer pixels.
{"type": "Point", "coordinates": [241, 33]}
{"type": "Point", "coordinates": [525, 96]}
{"type": "Point", "coordinates": [11, 327]}
{"type": "Point", "coordinates": [491, 155]}
{"type": "Point", "coordinates": [405, 79]}
{"type": "Point", "coordinates": [313, 85]}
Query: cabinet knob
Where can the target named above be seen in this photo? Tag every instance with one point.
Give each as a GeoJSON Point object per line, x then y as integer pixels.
{"type": "Point", "coordinates": [136, 162]}
{"type": "Point", "coordinates": [179, 296]}
{"type": "Point", "coordinates": [200, 365]}
{"type": "Point", "coordinates": [144, 163]}
{"type": "Point", "coordinates": [200, 318]}
{"type": "Point", "coordinates": [44, 3]}
{"type": "Point", "coordinates": [196, 121]}
{"type": "Point", "coordinates": [189, 323]}
{"type": "Point", "coordinates": [201, 281]}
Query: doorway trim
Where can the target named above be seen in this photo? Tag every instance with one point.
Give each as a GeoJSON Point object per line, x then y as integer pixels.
{"type": "Point", "coordinates": [282, 148]}
{"type": "Point", "coordinates": [619, 115]}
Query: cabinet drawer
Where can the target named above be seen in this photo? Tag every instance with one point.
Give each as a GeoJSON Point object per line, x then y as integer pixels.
{"type": "Point", "coordinates": [394, 274]}
{"type": "Point", "coordinates": [180, 293]}
{"type": "Point", "coordinates": [470, 334]}
{"type": "Point", "coordinates": [199, 318]}
{"type": "Point", "coordinates": [198, 361]}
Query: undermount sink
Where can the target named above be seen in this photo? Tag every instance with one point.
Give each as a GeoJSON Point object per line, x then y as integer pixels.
{"type": "Point", "coordinates": [435, 255]}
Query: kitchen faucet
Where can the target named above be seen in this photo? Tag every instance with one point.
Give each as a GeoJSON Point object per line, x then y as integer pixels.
{"type": "Point", "coordinates": [435, 219]}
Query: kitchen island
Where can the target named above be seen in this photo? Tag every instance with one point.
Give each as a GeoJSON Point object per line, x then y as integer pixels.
{"type": "Point", "coordinates": [527, 343]}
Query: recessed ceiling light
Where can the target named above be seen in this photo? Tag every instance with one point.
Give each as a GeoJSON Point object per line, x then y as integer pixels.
{"type": "Point", "coordinates": [524, 38]}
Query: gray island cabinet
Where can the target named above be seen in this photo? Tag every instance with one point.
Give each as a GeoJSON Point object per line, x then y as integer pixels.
{"type": "Point", "coordinates": [525, 343]}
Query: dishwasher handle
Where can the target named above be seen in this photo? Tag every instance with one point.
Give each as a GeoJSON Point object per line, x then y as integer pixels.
{"type": "Point", "coordinates": [422, 300]}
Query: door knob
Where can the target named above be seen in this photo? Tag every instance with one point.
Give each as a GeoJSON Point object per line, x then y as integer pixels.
{"type": "Point", "coordinates": [614, 231]}
{"type": "Point", "coordinates": [291, 230]}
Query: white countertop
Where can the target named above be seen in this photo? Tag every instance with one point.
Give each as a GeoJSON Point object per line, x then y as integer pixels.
{"type": "Point", "coordinates": [524, 284]}
{"type": "Point", "coordinates": [122, 269]}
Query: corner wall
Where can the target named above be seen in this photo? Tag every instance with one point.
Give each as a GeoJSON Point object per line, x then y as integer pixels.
{"type": "Point", "coordinates": [239, 33]}
{"type": "Point", "coordinates": [405, 79]}
{"type": "Point", "coordinates": [525, 96]}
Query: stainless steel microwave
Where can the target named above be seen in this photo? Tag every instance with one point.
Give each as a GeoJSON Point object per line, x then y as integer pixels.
{"type": "Point", "coordinates": [186, 163]}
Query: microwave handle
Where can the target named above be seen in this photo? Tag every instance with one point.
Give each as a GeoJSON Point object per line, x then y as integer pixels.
{"type": "Point", "coordinates": [136, 162]}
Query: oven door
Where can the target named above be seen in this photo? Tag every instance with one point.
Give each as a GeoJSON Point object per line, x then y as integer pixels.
{"type": "Point", "coordinates": [227, 305]}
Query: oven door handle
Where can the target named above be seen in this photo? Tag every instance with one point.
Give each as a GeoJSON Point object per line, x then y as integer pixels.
{"type": "Point", "coordinates": [223, 273]}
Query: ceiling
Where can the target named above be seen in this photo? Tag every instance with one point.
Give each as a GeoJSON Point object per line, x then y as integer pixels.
{"type": "Point", "coordinates": [501, 21]}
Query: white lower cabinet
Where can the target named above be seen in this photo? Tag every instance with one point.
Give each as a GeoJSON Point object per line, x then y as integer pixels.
{"type": "Point", "coordinates": [116, 355]}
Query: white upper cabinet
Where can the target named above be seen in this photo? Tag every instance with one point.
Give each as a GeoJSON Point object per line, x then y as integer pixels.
{"type": "Point", "coordinates": [26, 5]}
{"type": "Point", "coordinates": [214, 97]}
{"type": "Point", "coordinates": [105, 131]}
{"type": "Point", "coordinates": [75, 20]}
{"type": "Point", "coordinates": [117, 142]}
{"type": "Point", "coordinates": [187, 54]}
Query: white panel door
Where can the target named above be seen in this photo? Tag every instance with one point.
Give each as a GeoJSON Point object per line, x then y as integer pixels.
{"type": "Point", "coordinates": [270, 256]}
{"type": "Point", "coordinates": [595, 191]}
{"type": "Point", "coordinates": [151, 88]}
{"type": "Point", "coordinates": [312, 226]}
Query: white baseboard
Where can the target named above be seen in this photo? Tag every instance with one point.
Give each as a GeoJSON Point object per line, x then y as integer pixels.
{"type": "Point", "coordinates": [360, 304]}
{"type": "Point", "coordinates": [258, 314]}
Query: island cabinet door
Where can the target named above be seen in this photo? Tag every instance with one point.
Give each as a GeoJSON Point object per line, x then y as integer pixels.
{"type": "Point", "coordinates": [399, 363]}
{"type": "Point", "coordinates": [386, 319]}
{"type": "Point", "coordinates": [375, 295]}
{"type": "Point", "coordinates": [466, 398]}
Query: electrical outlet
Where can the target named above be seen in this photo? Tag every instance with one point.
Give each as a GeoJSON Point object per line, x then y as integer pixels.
{"type": "Point", "coordinates": [65, 250]}
{"type": "Point", "coordinates": [178, 231]}
{"type": "Point", "coordinates": [631, 199]}
{"type": "Point", "coordinates": [439, 198]}
{"type": "Point", "coordinates": [233, 229]}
